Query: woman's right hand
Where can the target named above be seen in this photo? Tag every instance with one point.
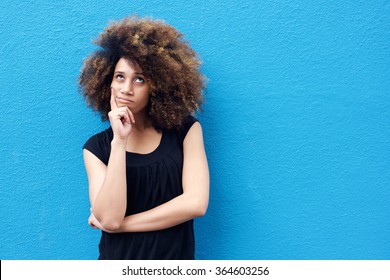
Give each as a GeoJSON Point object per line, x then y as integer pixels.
{"type": "Point", "coordinates": [121, 119]}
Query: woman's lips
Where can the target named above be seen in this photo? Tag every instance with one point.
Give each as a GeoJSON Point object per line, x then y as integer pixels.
{"type": "Point", "coordinates": [124, 100]}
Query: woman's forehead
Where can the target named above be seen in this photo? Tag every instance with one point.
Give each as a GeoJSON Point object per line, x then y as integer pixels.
{"type": "Point", "coordinates": [124, 64]}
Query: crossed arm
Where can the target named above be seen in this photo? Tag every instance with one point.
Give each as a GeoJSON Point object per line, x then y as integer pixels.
{"type": "Point", "coordinates": [107, 190]}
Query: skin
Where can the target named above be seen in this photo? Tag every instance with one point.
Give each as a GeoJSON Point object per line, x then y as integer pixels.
{"type": "Point", "coordinates": [134, 132]}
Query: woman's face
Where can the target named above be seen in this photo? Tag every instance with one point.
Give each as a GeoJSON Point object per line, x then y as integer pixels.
{"type": "Point", "coordinates": [130, 87]}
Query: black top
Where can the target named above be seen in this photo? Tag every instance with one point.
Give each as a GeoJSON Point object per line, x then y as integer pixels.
{"type": "Point", "coordinates": [152, 179]}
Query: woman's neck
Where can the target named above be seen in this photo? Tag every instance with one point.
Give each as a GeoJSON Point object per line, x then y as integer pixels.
{"type": "Point", "coordinates": [142, 121]}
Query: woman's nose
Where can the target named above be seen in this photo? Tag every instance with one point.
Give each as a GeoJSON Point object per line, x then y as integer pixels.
{"type": "Point", "coordinates": [127, 88]}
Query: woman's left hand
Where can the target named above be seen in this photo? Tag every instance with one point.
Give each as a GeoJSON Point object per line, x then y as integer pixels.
{"type": "Point", "coordinates": [94, 223]}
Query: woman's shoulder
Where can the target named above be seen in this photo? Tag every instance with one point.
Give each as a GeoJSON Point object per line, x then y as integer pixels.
{"type": "Point", "coordinates": [190, 120]}
{"type": "Point", "coordinates": [100, 144]}
{"type": "Point", "coordinates": [185, 127]}
{"type": "Point", "coordinates": [102, 136]}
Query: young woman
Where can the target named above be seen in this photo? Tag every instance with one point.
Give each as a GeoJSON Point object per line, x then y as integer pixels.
{"type": "Point", "coordinates": [148, 173]}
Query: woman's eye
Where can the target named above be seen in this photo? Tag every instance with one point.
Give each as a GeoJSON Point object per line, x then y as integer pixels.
{"type": "Point", "coordinates": [139, 80]}
{"type": "Point", "coordinates": [120, 77]}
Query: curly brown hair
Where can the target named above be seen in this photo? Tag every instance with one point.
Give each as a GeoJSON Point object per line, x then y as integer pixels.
{"type": "Point", "coordinates": [169, 64]}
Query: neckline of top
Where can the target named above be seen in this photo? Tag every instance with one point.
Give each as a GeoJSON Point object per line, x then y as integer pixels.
{"type": "Point", "coordinates": [152, 152]}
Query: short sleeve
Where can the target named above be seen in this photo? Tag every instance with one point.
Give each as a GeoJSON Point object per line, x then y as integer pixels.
{"type": "Point", "coordinates": [185, 127]}
{"type": "Point", "coordinates": [100, 145]}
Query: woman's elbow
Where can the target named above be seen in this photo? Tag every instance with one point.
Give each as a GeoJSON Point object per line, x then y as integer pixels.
{"type": "Point", "coordinates": [111, 225]}
{"type": "Point", "coordinates": [200, 208]}
{"type": "Point", "coordinates": [200, 212]}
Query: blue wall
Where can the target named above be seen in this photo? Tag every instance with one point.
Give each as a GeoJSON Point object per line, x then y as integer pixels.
{"type": "Point", "coordinates": [296, 125]}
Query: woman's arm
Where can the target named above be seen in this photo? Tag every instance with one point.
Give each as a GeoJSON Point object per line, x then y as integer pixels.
{"type": "Point", "coordinates": [107, 184]}
{"type": "Point", "coordinates": [191, 204]}
{"type": "Point", "coordinates": [194, 200]}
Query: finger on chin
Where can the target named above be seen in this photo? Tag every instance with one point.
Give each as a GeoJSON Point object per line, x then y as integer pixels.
{"type": "Point", "coordinates": [112, 100]}
{"type": "Point", "coordinates": [132, 119]}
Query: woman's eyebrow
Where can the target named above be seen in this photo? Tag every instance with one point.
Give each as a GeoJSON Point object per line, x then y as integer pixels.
{"type": "Point", "coordinates": [122, 72]}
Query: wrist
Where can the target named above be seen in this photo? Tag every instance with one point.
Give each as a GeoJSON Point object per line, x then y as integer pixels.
{"type": "Point", "coordinates": [119, 142]}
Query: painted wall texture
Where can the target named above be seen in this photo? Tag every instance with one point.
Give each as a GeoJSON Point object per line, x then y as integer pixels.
{"type": "Point", "coordinates": [296, 124]}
